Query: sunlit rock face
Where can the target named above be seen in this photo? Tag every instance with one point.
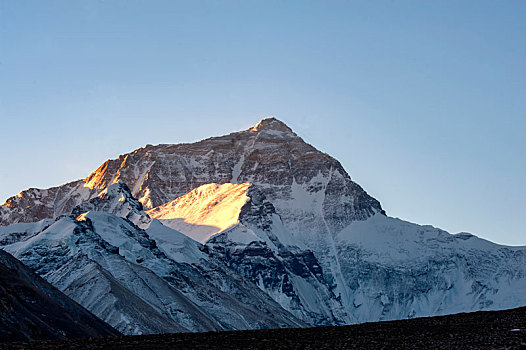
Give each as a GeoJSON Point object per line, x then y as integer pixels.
{"type": "Point", "coordinates": [35, 204]}
{"type": "Point", "coordinates": [295, 176]}
{"type": "Point", "coordinates": [268, 154]}
{"type": "Point", "coordinates": [275, 229]}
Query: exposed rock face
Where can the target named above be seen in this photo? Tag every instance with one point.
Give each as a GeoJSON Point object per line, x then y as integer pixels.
{"type": "Point", "coordinates": [255, 229]}
{"type": "Point", "coordinates": [33, 309]}
{"type": "Point", "coordinates": [116, 199]}
{"type": "Point", "coordinates": [310, 190]}
{"type": "Point", "coordinates": [268, 154]}
{"type": "Point", "coordinates": [35, 204]}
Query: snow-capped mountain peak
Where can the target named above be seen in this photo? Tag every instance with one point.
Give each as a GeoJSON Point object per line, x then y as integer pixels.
{"type": "Point", "coordinates": [252, 229]}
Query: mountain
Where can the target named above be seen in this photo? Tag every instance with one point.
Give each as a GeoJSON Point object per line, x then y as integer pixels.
{"type": "Point", "coordinates": [33, 309]}
{"type": "Point", "coordinates": [255, 229]}
{"type": "Point", "coordinates": [268, 154]}
{"type": "Point", "coordinates": [113, 268]}
{"type": "Point", "coordinates": [241, 229]}
{"type": "Point", "coordinates": [395, 269]}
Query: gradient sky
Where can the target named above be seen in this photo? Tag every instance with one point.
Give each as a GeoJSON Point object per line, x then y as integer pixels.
{"type": "Point", "coordinates": [423, 102]}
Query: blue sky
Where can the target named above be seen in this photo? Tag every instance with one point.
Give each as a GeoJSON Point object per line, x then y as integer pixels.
{"type": "Point", "coordinates": [423, 102]}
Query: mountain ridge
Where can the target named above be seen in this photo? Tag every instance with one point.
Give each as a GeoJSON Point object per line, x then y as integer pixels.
{"type": "Point", "coordinates": [89, 187]}
{"type": "Point", "coordinates": [260, 217]}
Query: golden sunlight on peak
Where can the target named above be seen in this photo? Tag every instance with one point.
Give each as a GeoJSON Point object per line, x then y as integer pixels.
{"type": "Point", "coordinates": [82, 217]}
{"type": "Point", "coordinates": [263, 121]}
{"type": "Point", "coordinates": [205, 211]}
{"type": "Point", "coordinates": [123, 163]}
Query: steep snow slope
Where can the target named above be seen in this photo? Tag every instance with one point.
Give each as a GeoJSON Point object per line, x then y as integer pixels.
{"type": "Point", "coordinates": [395, 269]}
{"type": "Point", "coordinates": [221, 294]}
{"type": "Point", "coordinates": [75, 259]}
{"type": "Point", "coordinates": [175, 244]}
{"type": "Point", "coordinates": [32, 309]}
{"type": "Point", "coordinates": [391, 268]}
{"type": "Point", "coordinates": [212, 209]}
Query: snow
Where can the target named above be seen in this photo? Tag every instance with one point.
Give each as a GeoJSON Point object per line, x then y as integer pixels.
{"type": "Point", "coordinates": [395, 241]}
{"type": "Point", "coordinates": [240, 234]}
{"type": "Point", "coordinates": [127, 288]}
{"type": "Point", "coordinates": [174, 244]}
{"type": "Point", "coordinates": [58, 233]}
{"type": "Point", "coordinates": [395, 269]}
{"type": "Point", "coordinates": [304, 200]}
{"type": "Point", "coordinates": [236, 171]}
{"type": "Point", "coordinates": [26, 229]}
{"type": "Point", "coordinates": [373, 267]}
{"type": "Point", "coordinates": [205, 211]}
{"type": "Point", "coordinates": [141, 175]}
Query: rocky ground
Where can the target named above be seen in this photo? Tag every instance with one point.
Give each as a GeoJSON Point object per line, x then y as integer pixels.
{"type": "Point", "coordinates": [488, 329]}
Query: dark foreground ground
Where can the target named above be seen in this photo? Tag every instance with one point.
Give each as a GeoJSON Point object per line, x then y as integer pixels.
{"type": "Point", "coordinates": [479, 330]}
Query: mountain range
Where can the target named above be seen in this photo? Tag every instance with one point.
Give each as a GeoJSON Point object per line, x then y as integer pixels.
{"type": "Point", "coordinates": [255, 229]}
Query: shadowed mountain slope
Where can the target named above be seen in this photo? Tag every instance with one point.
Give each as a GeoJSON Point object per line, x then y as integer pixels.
{"type": "Point", "coordinates": [31, 308]}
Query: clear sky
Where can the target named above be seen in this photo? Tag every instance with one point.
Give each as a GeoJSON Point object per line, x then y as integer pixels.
{"type": "Point", "coordinates": [423, 102]}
